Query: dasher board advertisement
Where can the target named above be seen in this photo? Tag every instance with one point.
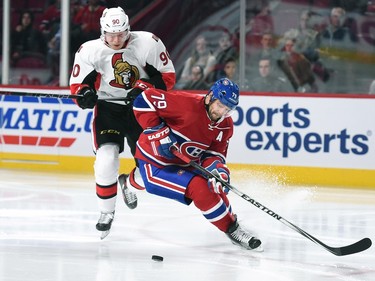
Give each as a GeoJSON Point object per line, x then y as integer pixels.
{"type": "Point", "coordinates": [304, 131]}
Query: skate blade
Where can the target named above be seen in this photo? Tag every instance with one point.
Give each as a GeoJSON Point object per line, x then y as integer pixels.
{"type": "Point", "coordinates": [104, 234]}
{"type": "Point", "coordinates": [258, 249]}
{"type": "Point", "coordinates": [130, 205]}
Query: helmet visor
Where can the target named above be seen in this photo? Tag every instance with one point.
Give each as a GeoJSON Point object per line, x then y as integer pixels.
{"type": "Point", "coordinates": [113, 35]}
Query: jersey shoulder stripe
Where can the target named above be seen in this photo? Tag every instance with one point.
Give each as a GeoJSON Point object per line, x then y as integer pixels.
{"type": "Point", "coordinates": [141, 103]}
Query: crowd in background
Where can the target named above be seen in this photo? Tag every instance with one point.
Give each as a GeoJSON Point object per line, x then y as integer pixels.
{"type": "Point", "coordinates": [289, 62]}
{"type": "Point", "coordinates": [35, 37]}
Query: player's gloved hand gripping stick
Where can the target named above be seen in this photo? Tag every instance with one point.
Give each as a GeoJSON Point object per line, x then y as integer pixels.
{"type": "Point", "coordinates": [221, 170]}
{"type": "Point", "coordinates": [357, 247]}
{"type": "Point", "coordinates": [87, 97]}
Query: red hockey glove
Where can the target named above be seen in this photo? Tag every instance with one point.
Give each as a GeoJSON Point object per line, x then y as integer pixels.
{"type": "Point", "coordinates": [88, 97]}
{"type": "Point", "coordinates": [161, 139]}
{"type": "Point", "coordinates": [221, 170]}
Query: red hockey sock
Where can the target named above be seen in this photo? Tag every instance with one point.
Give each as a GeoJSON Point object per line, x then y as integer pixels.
{"type": "Point", "coordinates": [215, 208]}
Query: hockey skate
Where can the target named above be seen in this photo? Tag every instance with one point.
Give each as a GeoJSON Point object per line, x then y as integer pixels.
{"type": "Point", "coordinates": [104, 224]}
{"type": "Point", "coordinates": [243, 238]}
{"type": "Point", "coordinates": [130, 198]}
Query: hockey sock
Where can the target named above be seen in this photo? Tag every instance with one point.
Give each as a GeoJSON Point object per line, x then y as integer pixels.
{"type": "Point", "coordinates": [213, 207]}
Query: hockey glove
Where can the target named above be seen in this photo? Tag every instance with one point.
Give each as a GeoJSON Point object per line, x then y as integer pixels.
{"type": "Point", "coordinates": [220, 170]}
{"type": "Point", "coordinates": [161, 138]}
{"type": "Point", "coordinates": [88, 98]}
{"type": "Point", "coordinates": [140, 86]}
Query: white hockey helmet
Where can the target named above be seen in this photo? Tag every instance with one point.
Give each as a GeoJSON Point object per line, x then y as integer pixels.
{"type": "Point", "coordinates": [114, 20]}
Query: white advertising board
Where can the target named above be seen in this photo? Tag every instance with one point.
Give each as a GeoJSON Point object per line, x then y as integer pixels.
{"type": "Point", "coordinates": [304, 131]}
{"type": "Point", "coordinates": [47, 126]}
{"type": "Point", "coordinates": [273, 130]}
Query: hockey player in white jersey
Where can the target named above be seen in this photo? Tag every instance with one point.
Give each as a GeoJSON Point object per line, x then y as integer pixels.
{"type": "Point", "coordinates": [116, 65]}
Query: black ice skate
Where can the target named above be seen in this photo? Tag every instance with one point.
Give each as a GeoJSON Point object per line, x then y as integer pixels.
{"type": "Point", "coordinates": [243, 238]}
{"type": "Point", "coordinates": [130, 198]}
{"type": "Point", "coordinates": [104, 223]}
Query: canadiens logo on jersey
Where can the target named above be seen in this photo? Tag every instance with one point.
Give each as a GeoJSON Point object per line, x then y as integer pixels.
{"type": "Point", "coordinates": [193, 149]}
{"type": "Point", "coordinates": [125, 74]}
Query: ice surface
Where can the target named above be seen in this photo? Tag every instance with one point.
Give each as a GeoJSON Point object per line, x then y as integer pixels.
{"type": "Point", "coordinates": [47, 232]}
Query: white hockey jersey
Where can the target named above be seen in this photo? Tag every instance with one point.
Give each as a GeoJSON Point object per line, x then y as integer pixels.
{"type": "Point", "coordinates": [113, 73]}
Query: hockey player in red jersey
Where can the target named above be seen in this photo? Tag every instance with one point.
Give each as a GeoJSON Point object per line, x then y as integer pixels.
{"type": "Point", "coordinates": [109, 67]}
{"type": "Point", "coordinates": [201, 127]}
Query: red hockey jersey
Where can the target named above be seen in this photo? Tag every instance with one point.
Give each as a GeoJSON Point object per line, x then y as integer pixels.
{"type": "Point", "coordinates": [185, 113]}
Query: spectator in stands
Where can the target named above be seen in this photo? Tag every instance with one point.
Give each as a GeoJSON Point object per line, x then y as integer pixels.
{"type": "Point", "coordinates": [225, 50]}
{"type": "Point", "coordinates": [353, 6]}
{"type": "Point", "coordinates": [306, 36]}
{"type": "Point", "coordinates": [336, 38]}
{"type": "Point", "coordinates": [230, 72]}
{"type": "Point", "coordinates": [266, 48]}
{"type": "Point", "coordinates": [27, 41]}
{"type": "Point", "coordinates": [196, 81]}
{"type": "Point", "coordinates": [50, 21]}
{"type": "Point", "coordinates": [307, 42]}
{"type": "Point", "coordinates": [230, 68]}
{"type": "Point", "coordinates": [259, 24]}
{"type": "Point", "coordinates": [268, 81]}
{"type": "Point", "coordinates": [297, 68]}
{"type": "Point", "coordinates": [336, 33]}
{"type": "Point", "coordinates": [202, 56]}
{"type": "Point", "coordinates": [88, 20]}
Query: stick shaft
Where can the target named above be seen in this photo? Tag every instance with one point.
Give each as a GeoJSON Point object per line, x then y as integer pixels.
{"type": "Point", "coordinates": [50, 95]}
{"type": "Point", "coordinates": [42, 95]}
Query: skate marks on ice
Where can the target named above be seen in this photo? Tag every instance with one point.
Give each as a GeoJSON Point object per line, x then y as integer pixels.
{"type": "Point", "coordinates": [47, 232]}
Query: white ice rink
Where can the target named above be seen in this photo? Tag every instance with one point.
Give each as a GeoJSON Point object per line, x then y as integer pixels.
{"type": "Point", "coordinates": [47, 232]}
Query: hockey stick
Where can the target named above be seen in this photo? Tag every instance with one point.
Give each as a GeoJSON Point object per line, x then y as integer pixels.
{"type": "Point", "coordinates": [357, 247]}
{"type": "Point", "coordinates": [50, 95]}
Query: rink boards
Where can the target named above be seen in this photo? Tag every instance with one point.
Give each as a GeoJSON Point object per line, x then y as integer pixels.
{"type": "Point", "coordinates": [296, 139]}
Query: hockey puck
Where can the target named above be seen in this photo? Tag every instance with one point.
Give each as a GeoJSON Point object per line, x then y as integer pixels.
{"type": "Point", "coordinates": [157, 258]}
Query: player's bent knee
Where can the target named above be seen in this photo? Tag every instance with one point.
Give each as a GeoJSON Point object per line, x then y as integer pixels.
{"type": "Point", "coordinates": [202, 197]}
{"type": "Point", "coordinates": [107, 164]}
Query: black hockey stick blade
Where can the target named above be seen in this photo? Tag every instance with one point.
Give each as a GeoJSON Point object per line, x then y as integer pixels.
{"type": "Point", "coordinates": [357, 247]}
